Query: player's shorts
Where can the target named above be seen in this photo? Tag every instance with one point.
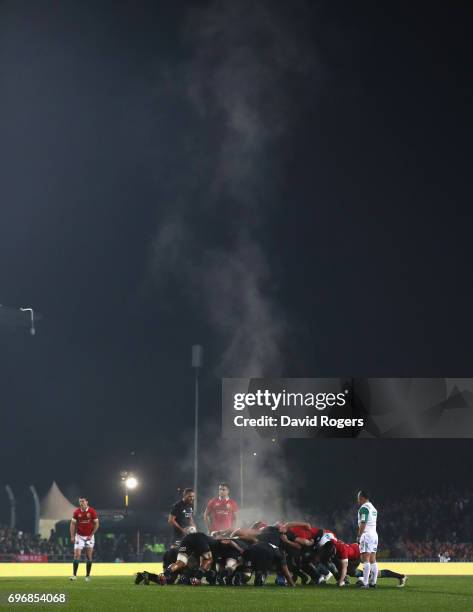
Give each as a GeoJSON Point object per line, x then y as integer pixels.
{"type": "Point", "coordinates": [368, 542]}
{"type": "Point", "coordinates": [82, 542]}
{"type": "Point", "coordinates": [353, 552]}
{"type": "Point", "coordinates": [182, 557]}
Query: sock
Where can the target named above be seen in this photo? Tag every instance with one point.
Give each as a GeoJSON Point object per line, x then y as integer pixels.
{"type": "Point", "coordinates": [153, 577]}
{"type": "Point", "coordinates": [389, 574]}
{"type": "Point", "coordinates": [366, 572]}
{"type": "Point", "coordinates": [88, 567]}
{"type": "Point", "coordinates": [211, 576]}
{"type": "Point", "coordinates": [374, 573]}
{"type": "Point", "coordinates": [75, 566]}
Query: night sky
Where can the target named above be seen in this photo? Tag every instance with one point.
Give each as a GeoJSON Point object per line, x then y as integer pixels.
{"type": "Point", "coordinates": [288, 184]}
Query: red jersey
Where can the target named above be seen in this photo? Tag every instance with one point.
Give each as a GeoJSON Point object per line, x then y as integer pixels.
{"type": "Point", "coordinates": [85, 520]}
{"type": "Point", "coordinates": [222, 513]}
{"type": "Point", "coordinates": [308, 534]}
{"type": "Point", "coordinates": [301, 532]}
{"type": "Point", "coordinates": [315, 531]}
{"type": "Point", "coordinates": [347, 551]}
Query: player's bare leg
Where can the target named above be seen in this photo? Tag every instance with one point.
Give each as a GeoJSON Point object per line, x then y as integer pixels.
{"type": "Point", "coordinates": [342, 572]}
{"type": "Point", "coordinates": [75, 563]}
{"type": "Point", "coordinates": [386, 573]}
{"type": "Point", "coordinates": [169, 573]}
{"type": "Point", "coordinates": [89, 553]}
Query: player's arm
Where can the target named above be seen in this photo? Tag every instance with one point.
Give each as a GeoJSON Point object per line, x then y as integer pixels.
{"type": "Point", "coordinates": [363, 519]}
{"type": "Point", "coordinates": [207, 516]}
{"type": "Point", "coordinates": [72, 529]}
{"type": "Point", "coordinates": [235, 510]}
{"type": "Point", "coordinates": [96, 525]}
{"type": "Point", "coordinates": [343, 571]}
{"type": "Point", "coordinates": [288, 575]}
{"type": "Point", "coordinates": [173, 522]}
{"type": "Point", "coordinates": [288, 542]}
{"type": "Point", "coordinates": [250, 535]}
{"type": "Point", "coordinates": [304, 541]}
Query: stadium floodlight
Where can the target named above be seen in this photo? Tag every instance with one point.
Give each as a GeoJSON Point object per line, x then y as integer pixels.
{"type": "Point", "coordinates": [31, 311]}
{"type": "Point", "coordinates": [131, 482]}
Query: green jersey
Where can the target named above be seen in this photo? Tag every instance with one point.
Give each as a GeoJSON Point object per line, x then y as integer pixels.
{"type": "Point", "coordinates": [368, 514]}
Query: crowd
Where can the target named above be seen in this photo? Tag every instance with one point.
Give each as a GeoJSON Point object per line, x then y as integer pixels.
{"type": "Point", "coordinates": [16, 542]}
{"type": "Point", "coordinates": [415, 527]}
{"type": "Point", "coordinates": [110, 548]}
{"type": "Point", "coordinates": [435, 550]}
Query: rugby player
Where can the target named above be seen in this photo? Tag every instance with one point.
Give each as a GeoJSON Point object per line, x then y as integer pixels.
{"type": "Point", "coordinates": [181, 515]}
{"type": "Point", "coordinates": [301, 562]}
{"type": "Point", "coordinates": [347, 559]}
{"type": "Point", "coordinates": [82, 529]}
{"type": "Point", "coordinates": [221, 511]}
{"type": "Point", "coordinates": [266, 553]}
{"type": "Point", "coordinates": [368, 539]}
{"type": "Point", "coordinates": [197, 546]}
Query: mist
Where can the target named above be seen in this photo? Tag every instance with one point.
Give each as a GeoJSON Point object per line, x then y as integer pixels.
{"type": "Point", "coordinates": [237, 113]}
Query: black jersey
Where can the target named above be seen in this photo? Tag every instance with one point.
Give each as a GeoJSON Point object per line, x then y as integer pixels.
{"type": "Point", "coordinates": [199, 544]}
{"type": "Point", "coordinates": [228, 551]}
{"type": "Point", "coordinates": [183, 513]}
{"type": "Point", "coordinates": [264, 557]}
{"type": "Point", "coordinates": [270, 535]}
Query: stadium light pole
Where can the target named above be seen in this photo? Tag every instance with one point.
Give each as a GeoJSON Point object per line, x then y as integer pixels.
{"type": "Point", "coordinates": [197, 353]}
{"type": "Point", "coordinates": [31, 311]}
{"type": "Point", "coordinates": [130, 483]}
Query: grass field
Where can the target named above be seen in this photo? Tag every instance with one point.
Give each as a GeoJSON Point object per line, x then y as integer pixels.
{"type": "Point", "coordinates": [119, 593]}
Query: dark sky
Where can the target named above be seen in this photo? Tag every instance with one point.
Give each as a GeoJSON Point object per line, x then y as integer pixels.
{"type": "Point", "coordinates": [357, 197]}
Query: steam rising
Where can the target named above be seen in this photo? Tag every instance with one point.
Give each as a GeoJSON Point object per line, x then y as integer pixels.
{"type": "Point", "coordinates": [247, 62]}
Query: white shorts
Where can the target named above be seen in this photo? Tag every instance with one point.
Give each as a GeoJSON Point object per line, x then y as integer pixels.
{"type": "Point", "coordinates": [183, 558]}
{"type": "Point", "coordinates": [81, 542]}
{"type": "Point", "coordinates": [368, 542]}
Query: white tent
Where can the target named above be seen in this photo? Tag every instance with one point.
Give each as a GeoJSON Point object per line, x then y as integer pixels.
{"type": "Point", "coordinates": [55, 507]}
